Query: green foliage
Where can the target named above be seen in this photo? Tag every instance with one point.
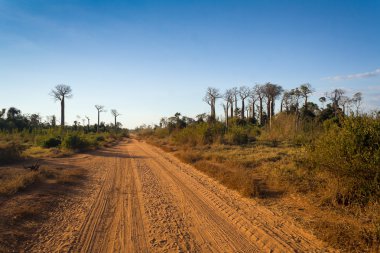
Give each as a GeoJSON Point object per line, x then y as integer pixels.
{"type": "Point", "coordinates": [75, 141]}
{"type": "Point", "coordinates": [199, 134]}
{"type": "Point", "coordinates": [237, 134]}
{"type": "Point", "coordinates": [350, 152]}
{"type": "Point", "coordinates": [50, 141]}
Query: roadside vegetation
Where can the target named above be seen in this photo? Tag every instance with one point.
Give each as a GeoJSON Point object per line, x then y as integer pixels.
{"type": "Point", "coordinates": [322, 158]}
{"type": "Point", "coordinates": [25, 139]}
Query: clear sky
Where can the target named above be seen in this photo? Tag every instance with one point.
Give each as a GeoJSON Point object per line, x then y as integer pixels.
{"type": "Point", "coordinates": [149, 59]}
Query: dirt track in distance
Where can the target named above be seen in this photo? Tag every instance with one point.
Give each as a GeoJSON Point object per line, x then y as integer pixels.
{"type": "Point", "coordinates": [146, 200]}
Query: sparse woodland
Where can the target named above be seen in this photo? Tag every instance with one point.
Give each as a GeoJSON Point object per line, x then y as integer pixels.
{"type": "Point", "coordinates": [27, 138]}
{"type": "Point", "coordinates": [273, 143]}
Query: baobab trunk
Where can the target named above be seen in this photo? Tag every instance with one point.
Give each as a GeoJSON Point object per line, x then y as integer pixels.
{"type": "Point", "coordinates": [232, 109]}
{"type": "Point", "coordinates": [97, 128]}
{"type": "Point", "coordinates": [242, 109]}
{"type": "Point", "coordinates": [63, 111]}
{"type": "Point", "coordinates": [261, 110]}
{"type": "Point", "coordinates": [253, 110]}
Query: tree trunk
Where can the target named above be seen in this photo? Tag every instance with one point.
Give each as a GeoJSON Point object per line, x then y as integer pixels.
{"type": "Point", "coordinates": [236, 103]}
{"type": "Point", "coordinates": [115, 123]}
{"type": "Point", "coordinates": [212, 110]}
{"type": "Point", "coordinates": [253, 110]}
{"type": "Point", "coordinates": [63, 111]}
{"type": "Point", "coordinates": [232, 109]}
{"type": "Point", "coordinates": [97, 128]}
{"type": "Point", "coordinates": [272, 107]}
{"type": "Point", "coordinates": [305, 102]}
{"type": "Point", "coordinates": [242, 113]}
{"type": "Point", "coordinates": [261, 110]}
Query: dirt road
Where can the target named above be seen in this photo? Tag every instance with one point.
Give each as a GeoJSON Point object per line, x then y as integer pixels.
{"type": "Point", "coordinates": [146, 200]}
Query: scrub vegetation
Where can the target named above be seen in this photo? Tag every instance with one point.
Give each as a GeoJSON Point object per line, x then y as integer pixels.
{"type": "Point", "coordinates": [322, 159]}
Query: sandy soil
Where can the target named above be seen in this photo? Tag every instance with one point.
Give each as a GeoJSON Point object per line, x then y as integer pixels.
{"type": "Point", "coordinates": [141, 199]}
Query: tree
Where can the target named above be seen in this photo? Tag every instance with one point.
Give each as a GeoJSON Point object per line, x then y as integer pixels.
{"type": "Point", "coordinates": [13, 113]}
{"type": "Point", "coordinates": [2, 112]}
{"type": "Point", "coordinates": [210, 98]}
{"type": "Point", "coordinates": [35, 120]}
{"type": "Point", "coordinates": [61, 92]}
{"type": "Point", "coordinates": [253, 99]}
{"type": "Point", "coordinates": [305, 90]}
{"type": "Point", "coordinates": [244, 92]}
{"type": "Point", "coordinates": [296, 94]}
{"type": "Point", "coordinates": [228, 97]}
{"type": "Point", "coordinates": [115, 115]}
{"type": "Point", "coordinates": [323, 101]}
{"type": "Point", "coordinates": [357, 100]}
{"type": "Point", "coordinates": [286, 101]}
{"type": "Point", "coordinates": [335, 97]}
{"type": "Point", "coordinates": [235, 93]}
{"type": "Point", "coordinates": [259, 90]}
{"type": "Point", "coordinates": [99, 108]}
{"type": "Point", "coordinates": [88, 122]}
{"type": "Point", "coordinates": [272, 92]}
{"type": "Point", "coordinates": [344, 101]}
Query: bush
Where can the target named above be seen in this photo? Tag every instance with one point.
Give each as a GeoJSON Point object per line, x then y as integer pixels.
{"type": "Point", "coordinates": [350, 153]}
{"type": "Point", "coordinates": [51, 142]}
{"type": "Point", "coordinates": [236, 135]}
{"type": "Point", "coordinates": [100, 138]}
{"type": "Point", "coordinates": [10, 152]}
{"type": "Point", "coordinates": [75, 141]}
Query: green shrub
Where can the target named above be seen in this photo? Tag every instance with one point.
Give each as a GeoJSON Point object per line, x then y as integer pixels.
{"type": "Point", "coordinates": [100, 138]}
{"type": "Point", "coordinates": [236, 135]}
{"type": "Point", "coordinates": [350, 153]}
{"type": "Point", "coordinates": [75, 141]}
{"type": "Point", "coordinates": [51, 142]}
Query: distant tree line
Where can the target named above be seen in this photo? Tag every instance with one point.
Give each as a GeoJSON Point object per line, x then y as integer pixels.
{"type": "Point", "coordinates": [256, 105]}
{"type": "Point", "coordinates": [12, 119]}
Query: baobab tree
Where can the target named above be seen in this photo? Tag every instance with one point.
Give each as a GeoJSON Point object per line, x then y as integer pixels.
{"type": "Point", "coordinates": [259, 90]}
{"type": "Point", "coordinates": [344, 102]}
{"type": "Point", "coordinates": [88, 122]}
{"type": "Point", "coordinates": [335, 97]}
{"type": "Point", "coordinates": [100, 109]}
{"type": "Point", "coordinates": [296, 94]}
{"type": "Point", "coordinates": [272, 91]}
{"type": "Point", "coordinates": [115, 114]}
{"type": "Point", "coordinates": [61, 92]}
{"type": "Point", "coordinates": [235, 93]}
{"type": "Point", "coordinates": [244, 92]}
{"type": "Point", "coordinates": [210, 98]}
{"type": "Point", "coordinates": [286, 101]}
{"type": "Point", "coordinates": [228, 98]}
{"type": "Point", "coordinates": [305, 90]}
{"type": "Point", "coordinates": [253, 99]}
{"type": "Point", "coordinates": [357, 100]}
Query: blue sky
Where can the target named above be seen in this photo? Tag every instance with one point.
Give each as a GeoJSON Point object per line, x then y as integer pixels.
{"type": "Point", "coordinates": [149, 59]}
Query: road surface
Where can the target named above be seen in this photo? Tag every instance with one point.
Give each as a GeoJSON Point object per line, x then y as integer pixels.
{"type": "Point", "coordinates": [146, 200]}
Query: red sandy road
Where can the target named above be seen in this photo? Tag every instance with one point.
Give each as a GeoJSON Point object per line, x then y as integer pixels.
{"type": "Point", "coordinates": [149, 201]}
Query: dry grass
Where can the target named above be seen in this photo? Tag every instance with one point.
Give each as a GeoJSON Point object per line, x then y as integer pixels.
{"type": "Point", "coordinates": [38, 193]}
{"type": "Point", "coordinates": [272, 172]}
{"type": "Point", "coordinates": [13, 179]}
